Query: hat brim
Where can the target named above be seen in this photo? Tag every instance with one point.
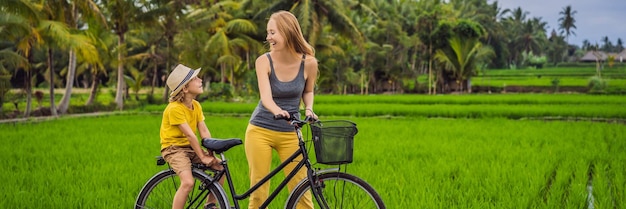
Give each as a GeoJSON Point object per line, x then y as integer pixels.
{"type": "Point", "coordinates": [185, 82]}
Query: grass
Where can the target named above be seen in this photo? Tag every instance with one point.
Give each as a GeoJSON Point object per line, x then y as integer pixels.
{"type": "Point", "coordinates": [418, 151]}
{"type": "Point", "coordinates": [543, 78]}
{"type": "Point", "coordinates": [102, 162]}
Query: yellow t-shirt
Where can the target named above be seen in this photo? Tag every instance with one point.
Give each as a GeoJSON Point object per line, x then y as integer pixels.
{"type": "Point", "coordinates": [177, 113]}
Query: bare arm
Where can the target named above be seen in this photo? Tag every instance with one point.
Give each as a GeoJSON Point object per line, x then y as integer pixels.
{"type": "Point", "coordinates": [309, 88]}
{"type": "Point", "coordinates": [262, 73]}
{"type": "Point", "coordinates": [204, 130]}
{"type": "Point", "coordinates": [195, 145]}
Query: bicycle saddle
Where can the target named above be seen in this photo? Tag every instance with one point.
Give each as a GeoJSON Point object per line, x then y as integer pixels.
{"type": "Point", "coordinates": [220, 145]}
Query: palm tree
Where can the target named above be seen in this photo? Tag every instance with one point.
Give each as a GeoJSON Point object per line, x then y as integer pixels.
{"type": "Point", "coordinates": [14, 23]}
{"type": "Point", "coordinates": [460, 58]}
{"type": "Point", "coordinates": [104, 41]}
{"type": "Point", "coordinates": [11, 60]}
{"type": "Point", "coordinates": [567, 22]}
{"type": "Point", "coordinates": [60, 37]}
{"type": "Point", "coordinates": [533, 36]}
{"type": "Point", "coordinates": [514, 23]}
{"type": "Point", "coordinates": [219, 41]}
{"type": "Point", "coordinates": [607, 46]}
{"type": "Point", "coordinates": [313, 14]}
{"type": "Point", "coordinates": [77, 9]}
{"type": "Point", "coordinates": [464, 51]}
{"type": "Point", "coordinates": [26, 35]}
{"type": "Point", "coordinates": [170, 15]}
{"type": "Point", "coordinates": [122, 14]}
{"type": "Point", "coordinates": [586, 45]}
{"type": "Point", "coordinates": [135, 81]}
{"type": "Point", "coordinates": [226, 35]}
{"type": "Point", "coordinates": [434, 31]}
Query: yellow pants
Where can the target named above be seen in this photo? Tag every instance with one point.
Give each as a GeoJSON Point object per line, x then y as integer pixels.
{"type": "Point", "coordinates": [259, 143]}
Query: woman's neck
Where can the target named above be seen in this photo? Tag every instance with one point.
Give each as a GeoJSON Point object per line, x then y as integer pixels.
{"type": "Point", "coordinates": [284, 56]}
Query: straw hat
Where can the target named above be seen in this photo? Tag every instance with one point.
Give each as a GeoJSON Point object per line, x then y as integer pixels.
{"type": "Point", "coordinates": [179, 77]}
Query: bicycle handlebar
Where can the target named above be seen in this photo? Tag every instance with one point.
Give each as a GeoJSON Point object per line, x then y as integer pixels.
{"type": "Point", "coordinates": [295, 121]}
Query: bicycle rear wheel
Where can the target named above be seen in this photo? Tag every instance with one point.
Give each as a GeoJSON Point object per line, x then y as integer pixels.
{"type": "Point", "coordinates": [159, 191]}
{"type": "Point", "coordinates": [338, 190]}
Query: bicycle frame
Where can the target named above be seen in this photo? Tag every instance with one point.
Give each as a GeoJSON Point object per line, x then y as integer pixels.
{"type": "Point", "coordinates": [305, 162]}
{"type": "Point", "coordinates": [326, 186]}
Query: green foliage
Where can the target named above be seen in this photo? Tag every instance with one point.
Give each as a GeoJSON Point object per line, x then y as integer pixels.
{"type": "Point", "coordinates": [5, 86]}
{"type": "Point", "coordinates": [221, 92]}
{"type": "Point", "coordinates": [468, 29]}
{"type": "Point", "coordinates": [535, 61]}
{"type": "Point", "coordinates": [572, 79]}
{"type": "Point", "coordinates": [555, 83]}
{"type": "Point", "coordinates": [597, 85]}
{"type": "Point", "coordinates": [454, 106]}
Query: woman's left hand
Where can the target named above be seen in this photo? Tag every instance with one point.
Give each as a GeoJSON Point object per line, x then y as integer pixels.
{"type": "Point", "coordinates": [309, 113]}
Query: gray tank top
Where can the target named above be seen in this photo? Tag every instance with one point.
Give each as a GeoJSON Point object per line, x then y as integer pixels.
{"type": "Point", "coordinates": [287, 96]}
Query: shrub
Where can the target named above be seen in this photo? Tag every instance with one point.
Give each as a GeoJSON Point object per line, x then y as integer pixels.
{"type": "Point", "coordinates": [597, 85]}
{"type": "Point", "coordinates": [221, 91]}
{"type": "Point", "coordinates": [555, 84]}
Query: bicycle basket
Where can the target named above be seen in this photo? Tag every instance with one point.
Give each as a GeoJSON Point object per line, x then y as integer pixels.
{"type": "Point", "coordinates": [333, 141]}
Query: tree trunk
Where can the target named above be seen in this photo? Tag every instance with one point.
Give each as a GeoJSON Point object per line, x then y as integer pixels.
{"type": "Point", "coordinates": [223, 80]}
{"type": "Point", "coordinates": [29, 93]}
{"type": "Point", "coordinates": [119, 94]}
{"type": "Point", "coordinates": [430, 70]}
{"type": "Point", "coordinates": [232, 78]}
{"type": "Point", "coordinates": [167, 69]}
{"type": "Point", "coordinates": [69, 83]}
{"type": "Point", "coordinates": [53, 109]}
{"type": "Point", "coordinates": [94, 89]}
{"type": "Point", "coordinates": [154, 80]}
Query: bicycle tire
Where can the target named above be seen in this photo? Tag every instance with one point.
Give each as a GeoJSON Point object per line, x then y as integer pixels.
{"type": "Point", "coordinates": [158, 192]}
{"type": "Point", "coordinates": [339, 190]}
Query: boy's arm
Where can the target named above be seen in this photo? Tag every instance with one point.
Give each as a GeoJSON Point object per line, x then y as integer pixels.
{"type": "Point", "coordinates": [193, 141]}
{"type": "Point", "coordinates": [204, 130]}
{"type": "Point", "coordinates": [204, 133]}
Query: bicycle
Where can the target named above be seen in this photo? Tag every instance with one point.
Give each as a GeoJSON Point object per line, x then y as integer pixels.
{"type": "Point", "coordinates": [330, 188]}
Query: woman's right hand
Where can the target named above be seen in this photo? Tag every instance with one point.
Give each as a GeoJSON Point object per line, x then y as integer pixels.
{"type": "Point", "coordinates": [282, 114]}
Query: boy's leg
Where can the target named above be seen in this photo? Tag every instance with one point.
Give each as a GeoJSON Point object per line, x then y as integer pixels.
{"type": "Point", "coordinates": [186, 185]}
{"type": "Point", "coordinates": [180, 162]}
{"type": "Point", "coordinates": [195, 159]}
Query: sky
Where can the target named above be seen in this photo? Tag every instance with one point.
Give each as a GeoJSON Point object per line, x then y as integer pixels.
{"type": "Point", "coordinates": [595, 19]}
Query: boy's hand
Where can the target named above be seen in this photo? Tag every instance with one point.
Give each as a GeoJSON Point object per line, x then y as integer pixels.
{"type": "Point", "coordinates": [208, 160]}
{"type": "Point", "coordinates": [212, 162]}
{"type": "Point", "coordinates": [209, 153]}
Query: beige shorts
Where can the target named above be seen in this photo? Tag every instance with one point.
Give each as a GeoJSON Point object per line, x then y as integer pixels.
{"type": "Point", "coordinates": [180, 158]}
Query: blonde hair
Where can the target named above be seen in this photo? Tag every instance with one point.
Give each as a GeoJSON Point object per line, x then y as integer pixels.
{"type": "Point", "coordinates": [288, 25]}
{"type": "Point", "coordinates": [180, 96]}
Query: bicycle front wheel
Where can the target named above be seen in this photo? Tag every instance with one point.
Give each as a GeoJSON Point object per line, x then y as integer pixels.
{"type": "Point", "coordinates": [337, 190]}
{"type": "Point", "coordinates": [159, 191]}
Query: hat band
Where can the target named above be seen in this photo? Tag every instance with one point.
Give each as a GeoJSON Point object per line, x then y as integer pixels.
{"type": "Point", "coordinates": [184, 80]}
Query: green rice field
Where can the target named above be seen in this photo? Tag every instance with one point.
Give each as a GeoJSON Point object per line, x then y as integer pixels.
{"type": "Point", "coordinates": [416, 151]}
{"type": "Point", "coordinates": [543, 79]}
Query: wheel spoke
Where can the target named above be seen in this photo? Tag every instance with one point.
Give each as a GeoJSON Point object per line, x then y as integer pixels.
{"type": "Point", "coordinates": [160, 190]}
{"type": "Point", "coordinates": [339, 191]}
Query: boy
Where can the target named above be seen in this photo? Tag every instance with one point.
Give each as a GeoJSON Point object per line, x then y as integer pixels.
{"type": "Point", "coordinates": [182, 119]}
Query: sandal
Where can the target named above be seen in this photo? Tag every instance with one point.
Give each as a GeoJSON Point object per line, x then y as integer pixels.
{"type": "Point", "coordinates": [211, 206]}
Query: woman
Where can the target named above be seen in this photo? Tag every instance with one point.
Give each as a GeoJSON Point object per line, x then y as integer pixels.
{"type": "Point", "coordinates": [286, 77]}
